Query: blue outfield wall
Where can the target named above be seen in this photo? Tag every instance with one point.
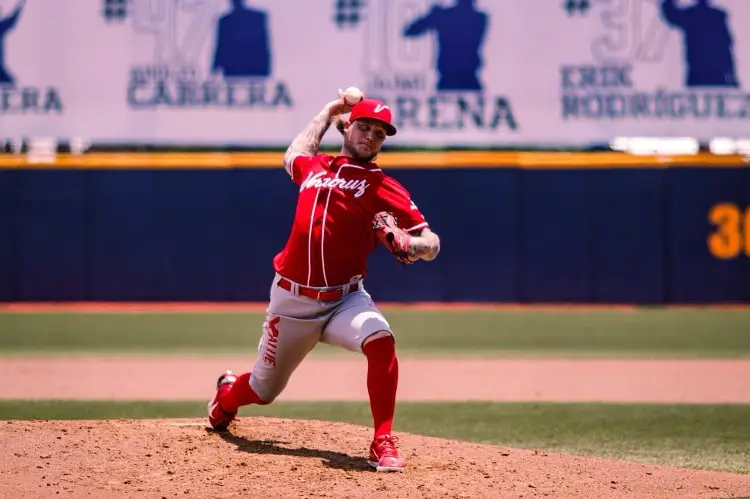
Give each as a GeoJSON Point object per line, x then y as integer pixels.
{"type": "Point", "coordinates": [651, 235]}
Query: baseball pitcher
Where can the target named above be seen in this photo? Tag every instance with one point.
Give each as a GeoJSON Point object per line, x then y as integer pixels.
{"type": "Point", "coordinates": [346, 206]}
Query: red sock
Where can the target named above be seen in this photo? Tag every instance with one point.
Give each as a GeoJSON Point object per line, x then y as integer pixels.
{"type": "Point", "coordinates": [241, 393]}
{"type": "Point", "coordinates": [382, 382]}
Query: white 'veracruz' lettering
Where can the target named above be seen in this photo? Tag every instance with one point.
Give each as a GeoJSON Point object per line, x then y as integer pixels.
{"type": "Point", "coordinates": [317, 182]}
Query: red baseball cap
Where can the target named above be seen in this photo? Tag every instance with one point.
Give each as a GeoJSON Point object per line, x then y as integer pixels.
{"type": "Point", "coordinates": [376, 110]}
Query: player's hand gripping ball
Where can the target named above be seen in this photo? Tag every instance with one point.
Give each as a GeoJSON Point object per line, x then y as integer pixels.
{"type": "Point", "coordinates": [396, 240]}
{"type": "Point", "coordinates": [347, 99]}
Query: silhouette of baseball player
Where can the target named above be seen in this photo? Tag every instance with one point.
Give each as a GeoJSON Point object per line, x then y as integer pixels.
{"type": "Point", "coordinates": [6, 25]}
{"type": "Point", "coordinates": [242, 45]}
{"type": "Point", "coordinates": [460, 32]}
{"type": "Point", "coordinates": [708, 43]}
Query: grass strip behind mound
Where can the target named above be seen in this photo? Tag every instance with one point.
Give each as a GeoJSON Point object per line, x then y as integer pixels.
{"type": "Point", "coordinates": [638, 332]}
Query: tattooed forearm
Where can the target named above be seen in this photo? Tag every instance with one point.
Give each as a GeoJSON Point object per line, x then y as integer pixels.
{"type": "Point", "coordinates": [425, 246]}
{"type": "Point", "coordinates": [308, 140]}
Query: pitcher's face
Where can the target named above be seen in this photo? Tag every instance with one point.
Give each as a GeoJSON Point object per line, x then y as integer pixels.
{"type": "Point", "coordinates": [364, 138]}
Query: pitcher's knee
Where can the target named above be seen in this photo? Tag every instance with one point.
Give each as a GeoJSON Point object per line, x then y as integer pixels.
{"type": "Point", "coordinates": [265, 398]}
{"type": "Point", "coordinates": [266, 392]}
{"type": "Point", "coordinates": [378, 335]}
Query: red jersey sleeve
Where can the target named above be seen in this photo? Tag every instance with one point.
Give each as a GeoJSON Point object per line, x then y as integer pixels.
{"type": "Point", "coordinates": [298, 167]}
{"type": "Point", "coordinates": [396, 199]}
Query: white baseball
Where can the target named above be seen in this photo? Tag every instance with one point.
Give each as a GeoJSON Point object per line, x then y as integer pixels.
{"type": "Point", "coordinates": [352, 95]}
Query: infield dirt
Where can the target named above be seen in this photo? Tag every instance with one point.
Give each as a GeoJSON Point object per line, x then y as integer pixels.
{"type": "Point", "coordinates": [263, 457]}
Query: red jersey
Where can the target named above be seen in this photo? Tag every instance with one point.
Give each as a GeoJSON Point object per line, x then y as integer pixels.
{"type": "Point", "coordinates": [332, 232]}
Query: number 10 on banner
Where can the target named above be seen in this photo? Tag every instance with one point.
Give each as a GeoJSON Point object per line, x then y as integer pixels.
{"type": "Point", "coordinates": [732, 235]}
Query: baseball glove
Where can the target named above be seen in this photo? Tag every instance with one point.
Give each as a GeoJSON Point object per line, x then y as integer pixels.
{"type": "Point", "coordinates": [396, 240]}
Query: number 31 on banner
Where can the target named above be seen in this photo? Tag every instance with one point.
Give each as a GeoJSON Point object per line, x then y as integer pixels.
{"type": "Point", "coordinates": [732, 235]}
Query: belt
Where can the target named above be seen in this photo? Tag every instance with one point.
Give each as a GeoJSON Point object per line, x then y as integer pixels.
{"type": "Point", "coordinates": [328, 294]}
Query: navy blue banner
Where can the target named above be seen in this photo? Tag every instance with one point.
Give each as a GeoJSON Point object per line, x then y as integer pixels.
{"type": "Point", "coordinates": [651, 236]}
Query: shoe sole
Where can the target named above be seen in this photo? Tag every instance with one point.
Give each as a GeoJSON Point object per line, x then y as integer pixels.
{"type": "Point", "coordinates": [377, 467]}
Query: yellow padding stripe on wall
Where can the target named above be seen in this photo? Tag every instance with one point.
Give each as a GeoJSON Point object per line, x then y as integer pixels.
{"type": "Point", "coordinates": [432, 160]}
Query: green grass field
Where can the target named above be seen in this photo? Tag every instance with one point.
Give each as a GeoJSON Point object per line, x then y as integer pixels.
{"type": "Point", "coordinates": [696, 436]}
{"type": "Point", "coordinates": [701, 436]}
{"type": "Point", "coordinates": [641, 332]}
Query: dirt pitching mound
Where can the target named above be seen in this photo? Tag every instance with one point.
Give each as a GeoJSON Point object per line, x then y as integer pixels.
{"type": "Point", "coordinates": [275, 458]}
